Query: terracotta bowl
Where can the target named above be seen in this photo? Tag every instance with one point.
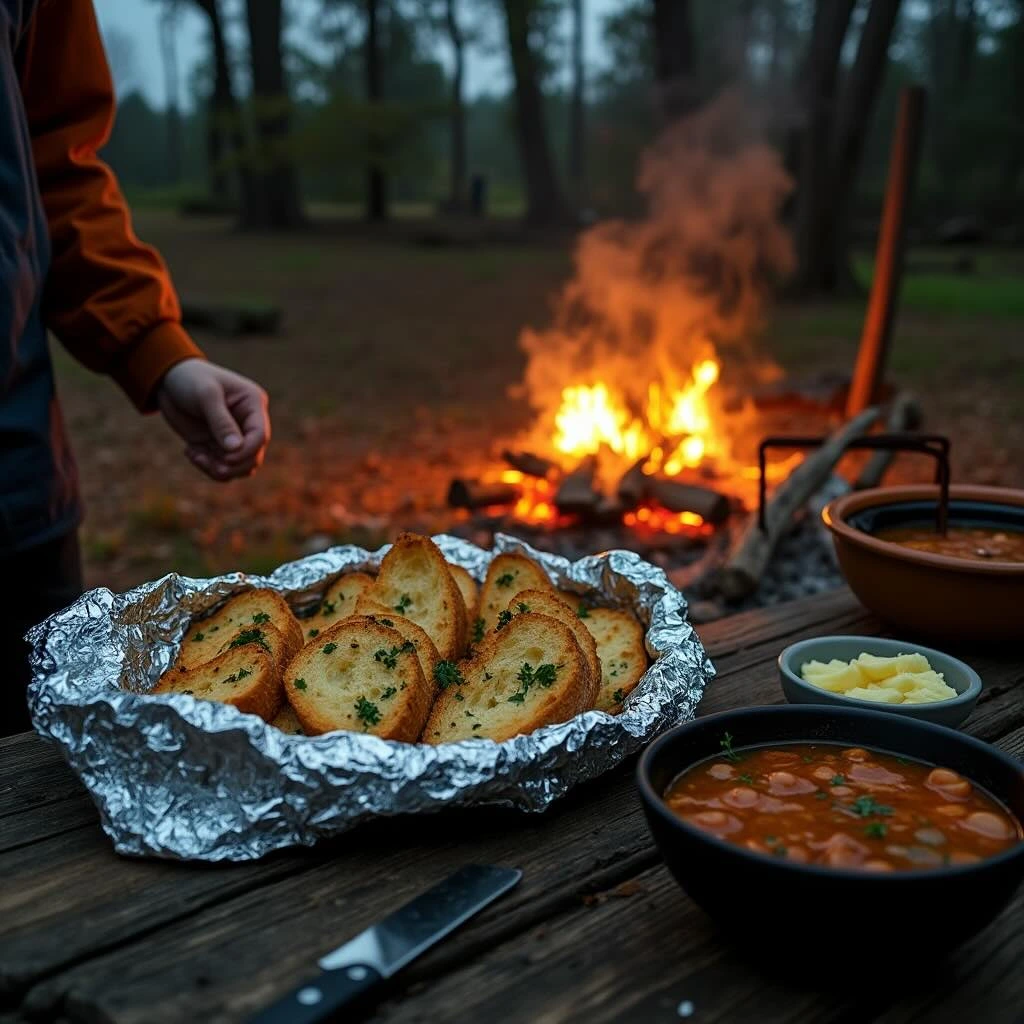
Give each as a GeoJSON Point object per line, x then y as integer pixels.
{"type": "Point", "coordinates": [926, 594]}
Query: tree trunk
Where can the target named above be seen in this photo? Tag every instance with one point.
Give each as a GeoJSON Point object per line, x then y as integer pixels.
{"type": "Point", "coordinates": [577, 123]}
{"type": "Point", "coordinates": [855, 110]}
{"type": "Point", "coordinates": [814, 198]}
{"type": "Point", "coordinates": [459, 162]}
{"type": "Point", "coordinates": [778, 31]}
{"type": "Point", "coordinates": [376, 182]}
{"type": "Point", "coordinates": [675, 61]}
{"type": "Point", "coordinates": [280, 207]}
{"type": "Point", "coordinates": [226, 124]}
{"type": "Point", "coordinates": [545, 203]}
{"type": "Point", "coordinates": [169, 58]}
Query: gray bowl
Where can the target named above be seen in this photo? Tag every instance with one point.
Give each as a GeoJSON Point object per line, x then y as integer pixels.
{"type": "Point", "coordinates": [959, 676]}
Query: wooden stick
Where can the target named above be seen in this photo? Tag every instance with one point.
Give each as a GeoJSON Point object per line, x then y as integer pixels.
{"type": "Point", "coordinates": [905, 413]}
{"type": "Point", "coordinates": [473, 494]}
{"type": "Point", "coordinates": [530, 464]}
{"type": "Point", "coordinates": [711, 506]}
{"type": "Point", "coordinates": [577, 495]}
{"type": "Point", "coordinates": [752, 551]}
{"type": "Point", "coordinates": [885, 288]}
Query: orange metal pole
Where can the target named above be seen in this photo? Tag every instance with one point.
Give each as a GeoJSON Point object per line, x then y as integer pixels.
{"type": "Point", "coordinates": [885, 288]}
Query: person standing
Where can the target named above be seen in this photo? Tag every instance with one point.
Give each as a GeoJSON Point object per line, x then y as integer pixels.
{"type": "Point", "coordinates": [71, 264]}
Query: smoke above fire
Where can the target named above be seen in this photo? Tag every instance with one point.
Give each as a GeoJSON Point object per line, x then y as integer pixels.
{"type": "Point", "coordinates": [653, 337]}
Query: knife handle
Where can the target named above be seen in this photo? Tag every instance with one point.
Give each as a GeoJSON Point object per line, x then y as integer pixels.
{"type": "Point", "coordinates": [319, 999]}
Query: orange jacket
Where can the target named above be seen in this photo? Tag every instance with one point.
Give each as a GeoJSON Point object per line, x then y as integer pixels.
{"type": "Point", "coordinates": [107, 297]}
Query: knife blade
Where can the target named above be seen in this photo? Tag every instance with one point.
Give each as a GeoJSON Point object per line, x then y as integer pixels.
{"type": "Point", "coordinates": [357, 966]}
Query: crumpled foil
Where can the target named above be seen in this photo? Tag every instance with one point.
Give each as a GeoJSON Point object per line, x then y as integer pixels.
{"type": "Point", "coordinates": [177, 777]}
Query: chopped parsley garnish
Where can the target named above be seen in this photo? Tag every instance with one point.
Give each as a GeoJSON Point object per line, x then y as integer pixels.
{"type": "Point", "coordinates": [327, 608]}
{"type": "Point", "coordinates": [260, 617]}
{"type": "Point", "coordinates": [876, 830]}
{"type": "Point", "coordinates": [523, 607]}
{"type": "Point", "coordinates": [543, 675]}
{"type": "Point", "coordinates": [251, 636]}
{"type": "Point", "coordinates": [197, 636]}
{"type": "Point", "coordinates": [779, 850]}
{"type": "Point", "coordinates": [476, 726]}
{"type": "Point", "coordinates": [386, 622]}
{"type": "Point", "coordinates": [865, 806]}
{"type": "Point", "coordinates": [479, 628]}
{"type": "Point", "coordinates": [583, 612]}
{"type": "Point", "coordinates": [838, 780]}
{"type": "Point", "coordinates": [242, 673]}
{"type": "Point", "coordinates": [748, 779]}
{"type": "Point", "coordinates": [807, 759]}
{"type": "Point", "coordinates": [314, 632]}
{"type": "Point", "coordinates": [619, 696]}
{"type": "Point", "coordinates": [821, 795]}
{"type": "Point", "coordinates": [458, 696]}
{"type": "Point", "coordinates": [403, 603]}
{"type": "Point", "coordinates": [367, 712]}
{"type": "Point", "coordinates": [446, 673]}
{"type": "Point", "coordinates": [388, 693]}
{"type": "Point", "coordinates": [299, 684]}
{"type": "Point", "coordinates": [504, 618]}
{"type": "Point", "coordinates": [390, 658]}
{"type": "Point", "coordinates": [506, 579]}
{"type": "Point", "coordinates": [328, 648]}
{"type": "Point", "coordinates": [726, 744]}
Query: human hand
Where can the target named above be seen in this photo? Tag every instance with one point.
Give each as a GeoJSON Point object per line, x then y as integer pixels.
{"type": "Point", "coordinates": [222, 417]}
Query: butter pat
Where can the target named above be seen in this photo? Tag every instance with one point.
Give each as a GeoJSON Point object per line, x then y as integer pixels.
{"type": "Point", "coordinates": [904, 679]}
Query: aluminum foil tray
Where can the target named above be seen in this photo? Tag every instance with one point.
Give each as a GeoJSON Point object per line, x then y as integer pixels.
{"type": "Point", "coordinates": [182, 778]}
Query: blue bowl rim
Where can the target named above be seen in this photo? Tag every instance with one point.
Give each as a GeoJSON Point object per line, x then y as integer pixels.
{"type": "Point", "coordinates": [969, 696]}
{"type": "Point", "coordinates": [655, 802]}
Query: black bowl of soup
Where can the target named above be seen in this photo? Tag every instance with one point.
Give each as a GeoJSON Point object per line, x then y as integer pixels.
{"type": "Point", "coordinates": [837, 828]}
{"type": "Point", "coordinates": [967, 585]}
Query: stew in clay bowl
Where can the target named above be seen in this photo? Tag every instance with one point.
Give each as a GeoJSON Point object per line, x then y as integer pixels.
{"type": "Point", "coordinates": [967, 585]}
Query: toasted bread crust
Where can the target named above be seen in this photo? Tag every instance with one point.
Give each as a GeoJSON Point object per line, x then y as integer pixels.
{"type": "Point", "coordinates": [549, 602]}
{"type": "Point", "coordinates": [205, 638]}
{"type": "Point", "coordinates": [426, 651]}
{"type": "Point", "coordinates": [620, 646]}
{"type": "Point", "coordinates": [257, 693]}
{"type": "Point", "coordinates": [493, 676]}
{"type": "Point", "coordinates": [287, 721]}
{"type": "Point", "coordinates": [470, 590]}
{"type": "Point", "coordinates": [359, 664]}
{"type": "Point", "coordinates": [415, 582]}
{"type": "Point", "coordinates": [506, 576]}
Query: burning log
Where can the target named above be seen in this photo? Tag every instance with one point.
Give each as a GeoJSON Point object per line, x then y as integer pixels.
{"type": "Point", "coordinates": [633, 487]}
{"type": "Point", "coordinates": [530, 464]}
{"type": "Point", "coordinates": [711, 506]}
{"type": "Point", "coordinates": [473, 494]}
{"type": "Point", "coordinates": [576, 494]}
{"type": "Point", "coordinates": [904, 414]}
{"type": "Point", "coordinates": [751, 552]}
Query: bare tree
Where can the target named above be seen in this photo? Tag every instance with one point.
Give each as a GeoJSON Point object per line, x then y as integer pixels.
{"type": "Point", "coordinates": [169, 59]}
{"type": "Point", "coordinates": [577, 110]}
{"type": "Point", "coordinates": [279, 204]}
{"type": "Point", "coordinates": [124, 69]}
{"type": "Point", "coordinates": [376, 182]}
{"type": "Point", "coordinates": [675, 57]}
{"type": "Point", "coordinates": [833, 143]}
{"type": "Point", "coordinates": [459, 170]}
{"type": "Point", "coordinates": [545, 203]}
{"type": "Point", "coordinates": [226, 142]}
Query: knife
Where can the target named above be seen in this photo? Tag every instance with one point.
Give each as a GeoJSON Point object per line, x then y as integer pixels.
{"type": "Point", "coordinates": [353, 969]}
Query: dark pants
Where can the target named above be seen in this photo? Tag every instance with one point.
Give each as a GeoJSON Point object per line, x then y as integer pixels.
{"type": "Point", "coordinates": [34, 584]}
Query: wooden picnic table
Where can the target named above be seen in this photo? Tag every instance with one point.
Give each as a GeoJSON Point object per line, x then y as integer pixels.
{"type": "Point", "coordinates": [597, 930]}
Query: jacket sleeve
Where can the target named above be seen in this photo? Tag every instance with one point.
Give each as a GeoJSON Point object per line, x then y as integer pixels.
{"type": "Point", "coordinates": [108, 297]}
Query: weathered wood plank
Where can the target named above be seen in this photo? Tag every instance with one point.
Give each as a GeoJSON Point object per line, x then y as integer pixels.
{"type": "Point", "coordinates": [647, 948]}
{"type": "Point", "coordinates": [33, 775]}
{"type": "Point", "coordinates": [257, 944]}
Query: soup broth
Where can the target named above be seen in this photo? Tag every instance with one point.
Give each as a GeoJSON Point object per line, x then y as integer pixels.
{"type": "Point", "coordinates": [960, 542]}
{"type": "Point", "coordinates": [843, 807]}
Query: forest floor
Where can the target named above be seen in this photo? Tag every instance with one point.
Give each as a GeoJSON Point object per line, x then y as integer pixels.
{"type": "Point", "coordinates": [391, 372]}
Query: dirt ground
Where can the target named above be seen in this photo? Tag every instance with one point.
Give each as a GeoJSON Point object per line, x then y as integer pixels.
{"type": "Point", "coordinates": [391, 371]}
